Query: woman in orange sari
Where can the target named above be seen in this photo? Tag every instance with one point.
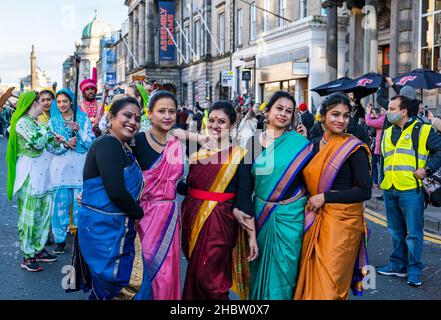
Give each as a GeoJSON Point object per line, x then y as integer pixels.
{"type": "Point", "coordinates": [338, 181]}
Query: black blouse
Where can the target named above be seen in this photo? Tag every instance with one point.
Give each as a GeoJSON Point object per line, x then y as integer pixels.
{"type": "Point", "coordinates": [353, 182]}
{"type": "Point", "coordinates": [144, 152]}
{"type": "Point", "coordinates": [107, 159]}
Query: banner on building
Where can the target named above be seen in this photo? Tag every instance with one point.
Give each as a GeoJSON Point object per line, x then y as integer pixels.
{"type": "Point", "coordinates": [167, 15]}
{"type": "Point", "coordinates": [108, 61]}
{"type": "Point", "coordinates": [227, 78]}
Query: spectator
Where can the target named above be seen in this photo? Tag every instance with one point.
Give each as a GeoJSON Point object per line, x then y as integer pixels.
{"type": "Point", "coordinates": [182, 118]}
{"type": "Point", "coordinates": [306, 116]}
{"type": "Point", "coordinates": [377, 122]}
{"type": "Point", "coordinates": [436, 122]}
{"type": "Point", "coordinates": [423, 113]}
{"type": "Point", "coordinates": [247, 127]}
{"type": "Point", "coordinates": [358, 112]}
{"type": "Point", "coordinates": [403, 198]}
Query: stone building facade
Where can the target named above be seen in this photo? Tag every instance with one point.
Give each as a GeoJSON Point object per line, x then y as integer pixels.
{"type": "Point", "coordinates": [143, 43]}
{"type": "Point", "coordinates": [281, 43]}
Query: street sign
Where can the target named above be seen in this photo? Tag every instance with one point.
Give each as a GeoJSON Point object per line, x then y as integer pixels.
{"type": "Point", "coordinates": [300, 68]}
{"type": "Point", "coordinates": [246, 75]}
{"type": "Point", "coordinates": [227, 78]}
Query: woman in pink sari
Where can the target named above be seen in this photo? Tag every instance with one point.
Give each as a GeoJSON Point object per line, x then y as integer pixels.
{"type": "Point", "coordinates": [161, 157]}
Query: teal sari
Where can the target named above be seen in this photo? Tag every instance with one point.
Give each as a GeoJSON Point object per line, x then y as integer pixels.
{"type": "Point", "coordinates": [279, 223]}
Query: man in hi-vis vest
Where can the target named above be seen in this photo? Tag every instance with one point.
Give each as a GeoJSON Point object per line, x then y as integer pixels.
{"type": "Point", "coordinates": [403, 194]}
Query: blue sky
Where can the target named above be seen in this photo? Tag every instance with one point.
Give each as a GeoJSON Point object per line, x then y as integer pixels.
{"type": "Point", "coordinates": [53, 26]}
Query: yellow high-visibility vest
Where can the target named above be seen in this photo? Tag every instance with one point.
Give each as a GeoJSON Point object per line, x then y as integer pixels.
{"type": "Point", "coordinates": [399, 160]}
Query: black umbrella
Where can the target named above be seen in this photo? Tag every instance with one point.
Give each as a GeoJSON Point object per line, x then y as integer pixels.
{"type": "Point", "coordinates": [420, 79]}
{"type": "Point", "coordinates": [365, 85]}
{"type": "Point", "coordinates": [330, 87]}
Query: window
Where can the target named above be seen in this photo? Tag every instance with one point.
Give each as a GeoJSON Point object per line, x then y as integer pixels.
{"type": "Point", "coordinates": [197, 37]}
{"type": "Point", "coordinates": [266, 16]}
{"type": "Point", "coordinates": [430, 37]}
{"type": "Point", "coordinates": [253, 21]}
{"type": "Point", "coordinates": [186, 44]}
{"type": "Point", "coordinates": [178, 43]}
{"type": "Point", "coordinates": [240, 27]}
{"type": "Point", "coordinates": [282, 10]}
{"type": "Point", "coordinates": [303, 9]}
{"type": "Point", "coordinates": [221, 33]}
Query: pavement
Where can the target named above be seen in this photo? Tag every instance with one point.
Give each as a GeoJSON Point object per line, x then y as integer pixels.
{"type": "Point", "coordinates": [17, 284]}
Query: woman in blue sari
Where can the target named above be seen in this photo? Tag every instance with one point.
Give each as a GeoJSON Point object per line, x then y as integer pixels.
{"type": "Point", "coordinates": [107, 238]}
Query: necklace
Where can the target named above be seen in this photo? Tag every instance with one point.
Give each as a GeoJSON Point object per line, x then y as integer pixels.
{"type": "Point", "coordinates": [123, 145]}
{"type": "Point", "coordinates": [156, 141]}
{"type": "Point", "coordinates": [324, 141]}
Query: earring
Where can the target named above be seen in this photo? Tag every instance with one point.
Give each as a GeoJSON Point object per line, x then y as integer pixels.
{"type": "Point", "coordinates": [323, 126]}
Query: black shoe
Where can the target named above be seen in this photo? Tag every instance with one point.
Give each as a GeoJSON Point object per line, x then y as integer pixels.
{"type": "Point", "coordinates": [31, 265]}
{"type": "Point", "coordinates": [45, 256]}
{"type": "Point", "coordinates": [59, 249]}
{"type": "Point", "coordinates": [50, 240]}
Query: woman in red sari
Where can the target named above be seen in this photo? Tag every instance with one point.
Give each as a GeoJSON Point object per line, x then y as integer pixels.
{"type": "Point", "coordinates": [209, 228]}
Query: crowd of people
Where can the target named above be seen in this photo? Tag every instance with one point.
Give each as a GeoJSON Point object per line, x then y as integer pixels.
{"type": "Point", "coordinates": [273, 196]}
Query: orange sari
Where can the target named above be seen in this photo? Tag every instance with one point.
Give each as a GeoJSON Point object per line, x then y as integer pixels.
{"type": "Point", "coordinates": [334, 247]}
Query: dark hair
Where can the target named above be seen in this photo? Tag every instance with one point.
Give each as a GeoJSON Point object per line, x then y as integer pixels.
{"type": "Point", "coordinates": [118, 105]}
{"type": "Point", "coordinates": [48, 92]}
{"type": "Point", "coordinates": [37, 97]}
{"type": "Point", "coordinates": [227, 108]}
{"type": "Point", "coordinates": [412, 106]}
{"type": "Point", "coordinates": [161, 94]}
{"type": "Point", "coordinates": [278, 95]}
{"type": "Point", "coordinates": [332, 100]}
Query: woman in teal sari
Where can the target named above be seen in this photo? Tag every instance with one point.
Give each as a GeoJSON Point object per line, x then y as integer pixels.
{"type": "Point", "coordinates": [278, 158]}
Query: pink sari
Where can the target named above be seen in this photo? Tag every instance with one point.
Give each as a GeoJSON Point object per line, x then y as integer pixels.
{"type": "Point", "coordinates": [159, 228]}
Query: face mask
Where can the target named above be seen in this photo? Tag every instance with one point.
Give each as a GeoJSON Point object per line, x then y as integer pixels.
{"type": "Point", "coordinates": [394, 117]}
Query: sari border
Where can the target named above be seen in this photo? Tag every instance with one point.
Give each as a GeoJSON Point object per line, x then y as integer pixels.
{"type": "Point", "coordinates": [344, 151]}
{"type": "Point", "coordinates": [161, 250]}
{"type": "Point", "coordinates": [280, 188]}
{"type": "Point", "coordinates": [219, 184]}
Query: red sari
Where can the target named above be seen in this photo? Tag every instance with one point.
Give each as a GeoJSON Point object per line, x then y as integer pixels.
{"type": "Point", "coordinates": [209, 229]}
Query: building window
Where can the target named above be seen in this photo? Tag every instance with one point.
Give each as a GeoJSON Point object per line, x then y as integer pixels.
{"type": "Point", "coordinates": [221, 33]}
{"type": "Point", "coordinates": [282, 11]}
{"type": "Point", "coordinates": [240, 27]}
{"type": "Point", "coordinates": [266, 16]}
{"type": "Point", "coordinates": [197, 37]}
{"type": "Point", "coordinates": [430, 38]}
{"type": "Point", "coordinates": [186, 44]}
{"type": "Point", "coordinates": [253, 21]}
{"type": "Point", "coordinates": [178, 44]}
{"type": "Point", "coordinates": [303, 9]}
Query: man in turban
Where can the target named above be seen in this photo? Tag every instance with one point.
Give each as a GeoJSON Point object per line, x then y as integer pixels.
{"type": "Point", "coordinates": [89, 105]}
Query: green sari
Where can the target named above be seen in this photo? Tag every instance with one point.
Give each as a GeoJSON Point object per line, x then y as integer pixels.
{"type": "Point", "coordinates": [279, 223]}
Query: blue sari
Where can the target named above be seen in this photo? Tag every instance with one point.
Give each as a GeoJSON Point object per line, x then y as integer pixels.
{"type": "Point", "coordinates": [109, 242]}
